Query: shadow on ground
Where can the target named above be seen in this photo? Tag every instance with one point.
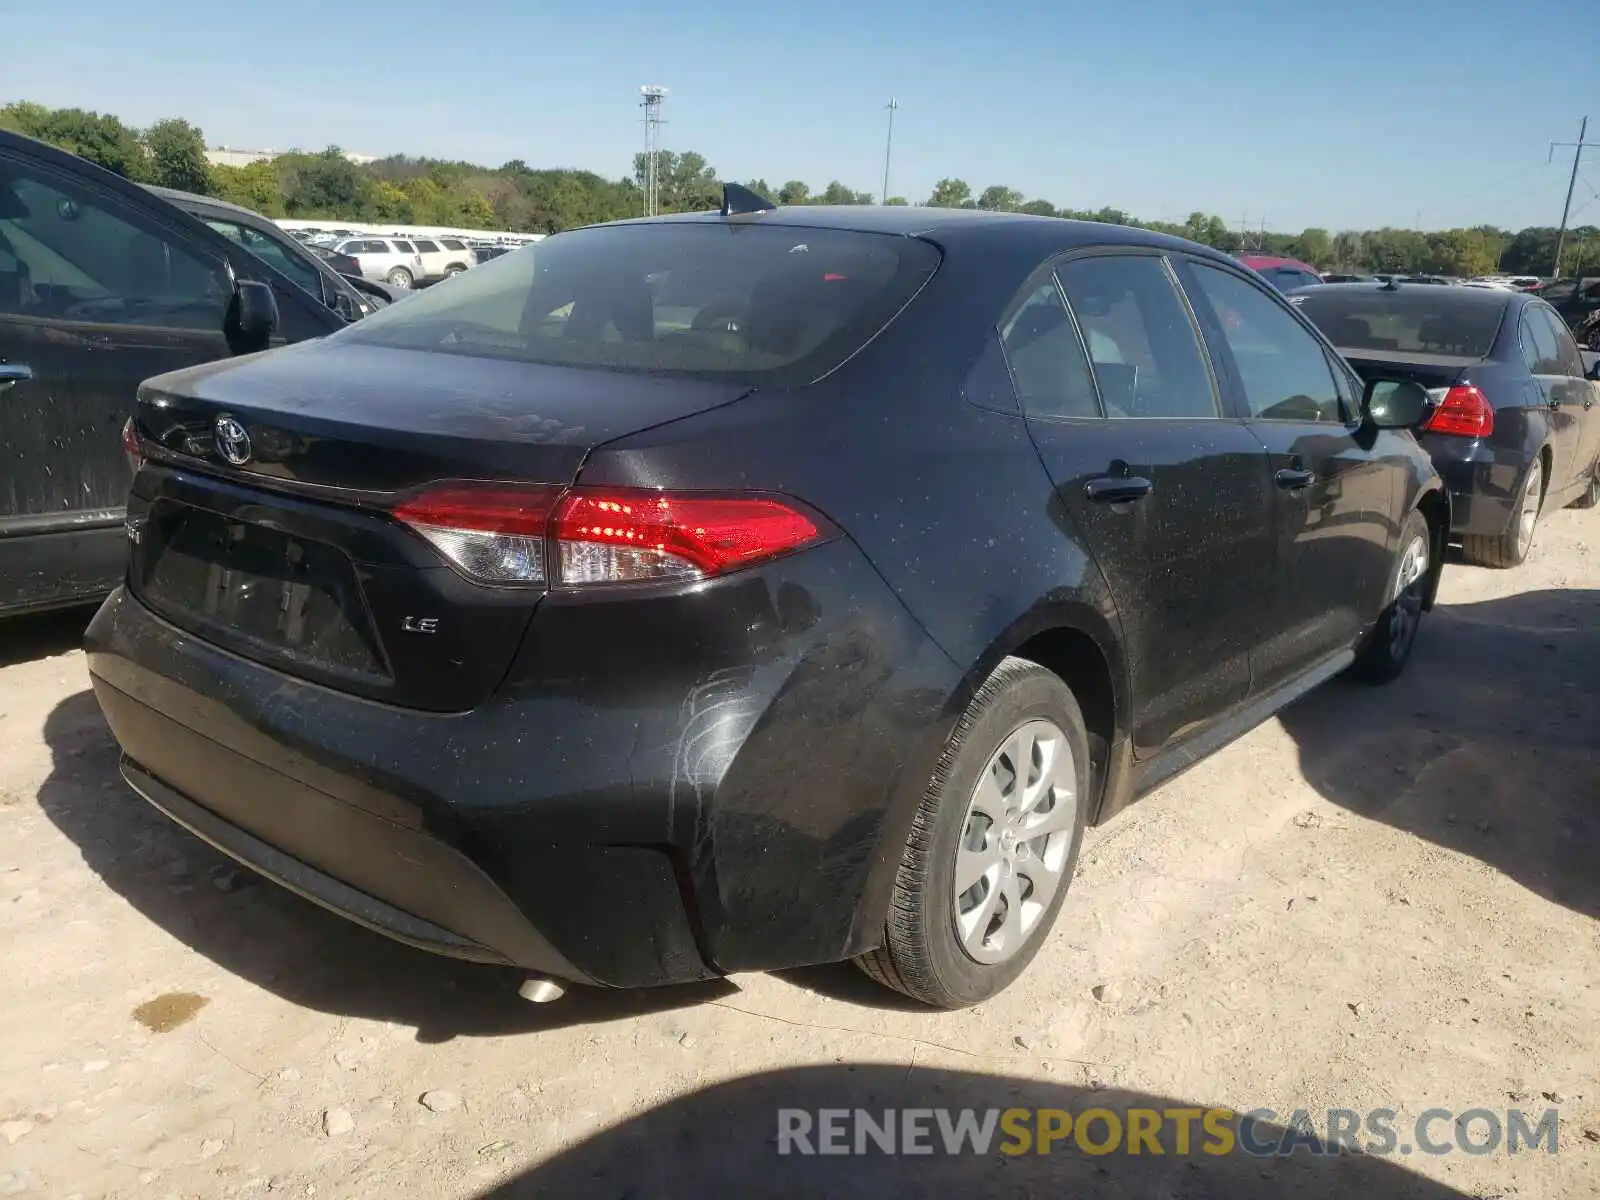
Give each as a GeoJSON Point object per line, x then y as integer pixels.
{"type": "Point", "coordinates": [724, 1141]}
{"type": "Point", "coordinates": [1488, 745]}
{"type": "Point", "coordinates": [42, 635]}
{"type": "Point", "coordinates": [273, 938]}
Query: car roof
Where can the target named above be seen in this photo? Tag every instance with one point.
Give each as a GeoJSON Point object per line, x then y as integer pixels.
{"type": "Point", "coordinates": [949, 226]}
{"type": "Point", "coordinates": [1257, 261]}
{"type": "Point", "coordinates": [195, 200]}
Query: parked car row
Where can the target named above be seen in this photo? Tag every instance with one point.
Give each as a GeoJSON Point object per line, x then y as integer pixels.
{"type": "Point", "coordinates": [406, 263]}
{"type": "Point", "coordinates": [730, 591]}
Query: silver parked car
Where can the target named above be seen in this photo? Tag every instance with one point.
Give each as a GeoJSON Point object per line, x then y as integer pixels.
{"type": "Point", "coordinates": [394, 261]}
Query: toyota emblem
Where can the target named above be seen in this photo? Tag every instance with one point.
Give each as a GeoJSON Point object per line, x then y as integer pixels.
{"type": "Point", "coordinates": [233, 441]}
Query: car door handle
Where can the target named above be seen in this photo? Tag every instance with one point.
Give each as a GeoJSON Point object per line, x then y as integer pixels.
{"type": "Point", "coordinates": [11, 373]}
{"type": "Point", "coordinates": [1117, 489]}
{"type": "Point", "coordinates": [1293, 480]}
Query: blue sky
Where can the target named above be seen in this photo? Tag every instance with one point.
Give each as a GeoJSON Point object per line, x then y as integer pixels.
{"type": "Point", "coordinates": [1357, 114]}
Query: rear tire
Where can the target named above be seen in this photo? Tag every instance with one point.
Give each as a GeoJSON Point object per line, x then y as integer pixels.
{"type": "Point", "coordinates": [453, 270]}
{"type": "Point", "coordinates": [1510, 549]}
{"type": "Point", "coordinates": [950, 949]}
{"type": "Point", "coordinates": [1388, 649]}
{"type": "Point", "coordinates": [400, 278]}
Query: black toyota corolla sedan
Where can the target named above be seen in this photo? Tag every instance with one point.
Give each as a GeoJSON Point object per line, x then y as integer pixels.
{"type": "Point", "coordinates": [1513, 427]}
{"type": "Point", "coordinates": [743, 590]}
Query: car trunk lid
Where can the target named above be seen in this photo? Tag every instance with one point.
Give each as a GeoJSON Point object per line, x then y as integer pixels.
{"type": "Point", "coordinates": [291, 555]}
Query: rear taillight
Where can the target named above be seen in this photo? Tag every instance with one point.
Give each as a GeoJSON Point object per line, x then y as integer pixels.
{"type": "Point", "coordinates": [1463, 411]}
{"type": "Point", "coordinates": [131, 446]}
{"type": "Point", "coordinates": [588, 536]}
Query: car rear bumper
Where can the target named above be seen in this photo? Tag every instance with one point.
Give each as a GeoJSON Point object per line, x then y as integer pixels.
{"type": "Point", "coordinates": [708, 813]}
{"type": "Point", "coordinates": [1483, 480]}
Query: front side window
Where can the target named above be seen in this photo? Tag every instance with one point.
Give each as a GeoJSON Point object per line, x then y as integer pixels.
{"type": "Point", "coordinates": [426, 247]}
{"type": "Point", "coordinates": [1567, 358]}
{"type": "Point", "coordinates": [1141, 340]}
{"type": "Point", "coordinates": [404, 248]}
{"type": "Point", "coordinates": [765, 303]}
{"type": "Point", "coordinates": [272, 252]}
{"type": "Point", "coordinates": [1282, 369]}
{"type": "Point", "coordinates": [1048, 366]}
{"type": "Point", "coordinates": [78, 254]}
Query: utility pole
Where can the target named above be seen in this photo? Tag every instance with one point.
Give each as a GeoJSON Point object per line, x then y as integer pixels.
{"type": "Point", "coordinates": [888, 148]}
{"type": "Point", "coordinates": [1578, 147]}
{"type": "Point", "coordinates": [653, 96]}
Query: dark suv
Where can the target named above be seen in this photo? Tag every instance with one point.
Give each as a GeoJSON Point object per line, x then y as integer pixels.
{"type": "Point", "coordinates": [733, 592]}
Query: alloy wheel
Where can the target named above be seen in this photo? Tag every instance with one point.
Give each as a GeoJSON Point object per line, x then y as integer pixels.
{"type": "Point", "coordinates": [1407, 598]}
{"type": "Point", "coordinates": [1015, 840]}
{"type": "Point", "coordinates": [1528, 513]}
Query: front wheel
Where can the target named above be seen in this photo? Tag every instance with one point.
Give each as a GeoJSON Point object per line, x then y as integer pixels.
{"type": "Point", "coordinates": [400, 278]}
{"type": "Point", "coordinates": [1510, 549]}
{"type": "Point", "coordinates": [993, 846]}
{"type": "Point", "coordinates": [1388, 649]}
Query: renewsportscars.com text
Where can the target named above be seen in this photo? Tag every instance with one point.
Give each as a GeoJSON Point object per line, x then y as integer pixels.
{"type": "Point", "coordinates": [1175, 1131]}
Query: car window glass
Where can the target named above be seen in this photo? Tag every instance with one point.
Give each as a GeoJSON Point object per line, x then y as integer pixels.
{"type": "Point", "coordinates": [1539, 345]}
{"type": "Point", "coordinates": [452, 244]}
{"type": "Point", "coordinates": [762, 303]}
{"type": "Point", "coordinates": [1349, 395]}
{"type": "Point", "coordinates": [1141, 341]}
{"type": "Point", "coordinates": [75, 253]}
{"type": "Point", "coordinates": [272, 252]}
{"type": "Point", "coordinates": [404, 247]}
{"type": "Point", "coordinates": [1567, 358]}
{"type": "Point", "coordinates": [1048, 366]}
{"type": "Point", "coordinates": [1282, 367]}
{"type": "Point", "coordinates": [426, 247]}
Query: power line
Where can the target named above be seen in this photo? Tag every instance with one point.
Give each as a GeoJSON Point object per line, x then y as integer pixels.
{"type": "Point", "coordinates": [1578, 147]}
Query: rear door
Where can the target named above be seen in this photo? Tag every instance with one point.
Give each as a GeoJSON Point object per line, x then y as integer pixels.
{"type": "Point", "coordinates": [431, 256]}
{"type": "Point", "coordinates": [1581, 395]}
{"type": "Point", "coordinates": [1560, 396]}
{"type": "Point", "coordinates": [1333, 502]}
{"type": "Point", "coordinates": [1170, 496]}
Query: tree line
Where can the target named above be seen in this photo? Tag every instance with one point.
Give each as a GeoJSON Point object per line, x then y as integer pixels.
{"type": "Point", "coordinates": [517, 197]}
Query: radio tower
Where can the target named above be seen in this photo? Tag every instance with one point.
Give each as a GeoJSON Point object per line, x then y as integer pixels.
{"type": "Point", "coordinates": [653, 96]}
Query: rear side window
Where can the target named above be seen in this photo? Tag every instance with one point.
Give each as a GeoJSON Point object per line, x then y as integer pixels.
{"type": "Point", "coordinates": [1539, 349]}
{"type": "Point", "coordinates": [1412, 320]}
{"type": "Point", "coordinates": [768, 303]}
{"type": "Point", "coordinates": [452, 244]}
{"type": "Point", "coordinates": [1141, 340]}
{"type": "Point", "coordinates": [1048, 366]}
{"type": "Point", "coordinates": [404, 247]}
{"type": "Point", "coordinates": [1571, 363]}
{"type": "Point", "coordinates": [426, 247]}
{"type": "Point", "coordinates": [1282, 368]}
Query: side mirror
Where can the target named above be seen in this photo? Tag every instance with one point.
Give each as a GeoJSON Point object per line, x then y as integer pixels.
{"type": "Point", "coordinates": [1396, 403]}
{"type": "Point", "coordinates": [252, 317]}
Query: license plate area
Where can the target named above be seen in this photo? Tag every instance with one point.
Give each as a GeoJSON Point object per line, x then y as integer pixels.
{"type": "Point", "coordinates": [257, 590]}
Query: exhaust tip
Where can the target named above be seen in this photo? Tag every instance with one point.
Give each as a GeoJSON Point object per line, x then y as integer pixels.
{"type": "Point", "coordinates": [541, 991]}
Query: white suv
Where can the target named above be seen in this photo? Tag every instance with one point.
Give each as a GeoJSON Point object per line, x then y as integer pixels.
{"type": "Point", "coordinates": [444, 257]}
{"type": "Point", "coordinates": [394, 261]}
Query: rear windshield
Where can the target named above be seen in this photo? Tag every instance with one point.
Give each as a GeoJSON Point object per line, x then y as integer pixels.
{"type": "Point", "coordinates": [766, 303]}
{"type": "Point", "coordinates": [1423, 320]}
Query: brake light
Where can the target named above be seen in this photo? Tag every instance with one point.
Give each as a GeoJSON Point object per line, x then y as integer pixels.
{"type": "Point", "coordinates": [505, 534]}
{"type": "Point", "coordinates": [131, 445]}
{"type": "Point", "coordinates": [1462, 411]}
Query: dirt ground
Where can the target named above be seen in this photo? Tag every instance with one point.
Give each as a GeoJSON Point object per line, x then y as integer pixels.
{"type": "Point", "coordinates": [1382, 899]}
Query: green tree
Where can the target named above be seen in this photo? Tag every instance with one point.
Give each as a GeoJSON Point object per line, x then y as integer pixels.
{"type": "Point", "coordinates": [794, 192]}
{"type": "Point", "coordinates": [950, 193]}
{"type": "Point", "coordinates": [684, 182]}
{"type": "Point", "coordinates": [101, 138]}
{"type": "Point", "coordinates": [175, 153]}
{"type": "Point", "coordinates": [837, 193]}
{"type": "Point", "coordinates": [255, 186]}
{"type": "Point", "coordinates": [1314, 246]}
{"type": "Point", "coordinates": [1000, 199]}
{"type": "Point", "coordinates": [895, 202]}
{"type": "Point", "coordinates": [1039, 208]}
{"type": "Point", "coordinates": [322, 185]}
